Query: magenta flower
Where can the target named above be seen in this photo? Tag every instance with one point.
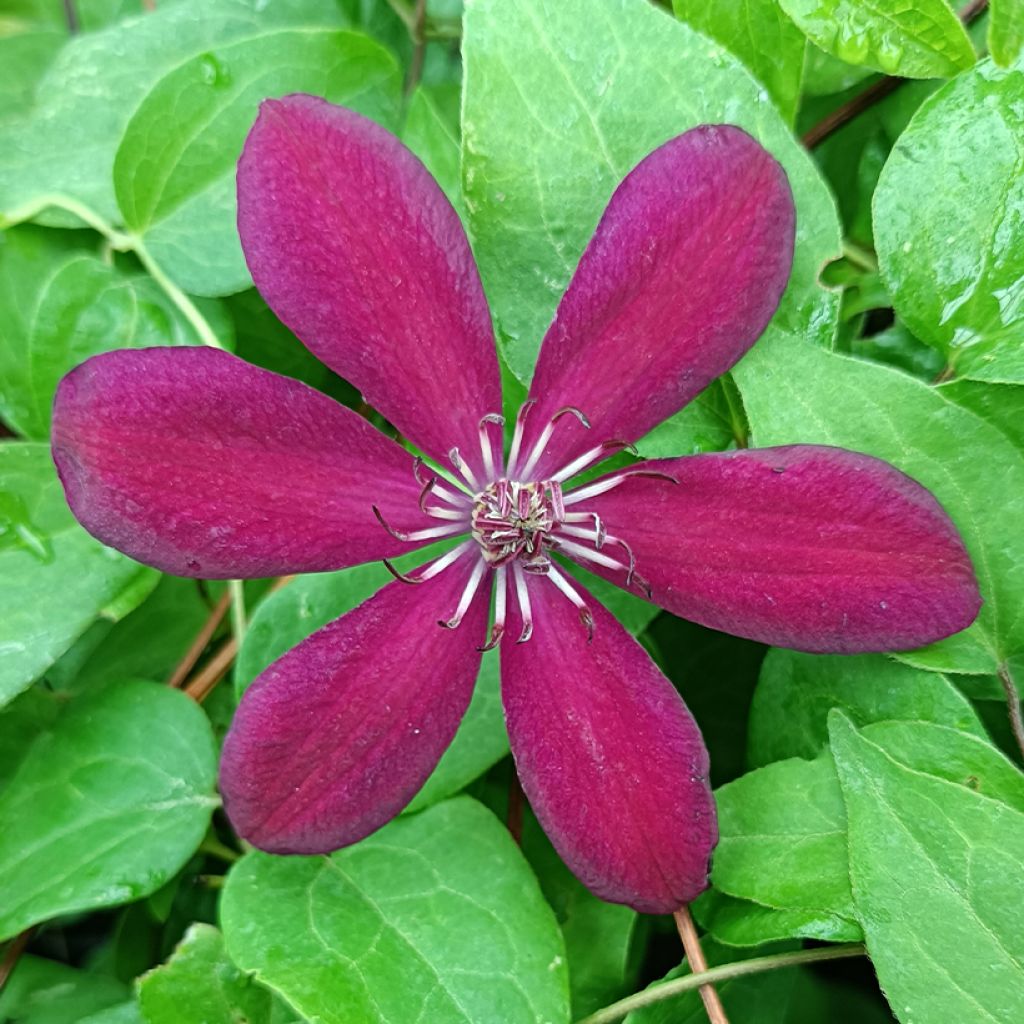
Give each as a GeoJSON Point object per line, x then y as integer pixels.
{"type": "Point", "coordinates": [201, 465]}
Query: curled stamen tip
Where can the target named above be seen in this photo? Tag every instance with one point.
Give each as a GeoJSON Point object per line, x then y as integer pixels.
{"type": "Point", "coordinates": [397, 534]}
{"type": "Point", "coordinates": [456, 459]}
{"type": "Point", "coordinates": [399, 575]}
{"type": "Point", "coordinates": [588, 621]}
{"type": "Point", "coordinates": [642, 584]}
{"type": "Point", "coordinates": [526, 633]}
{"type": "Point", "coordinates": [497, 632]}
{"type": "Point", "coordinates": [655, 474]}
{"type": "Point", "coordinates": [450, 624]}
{"type": "Point", "coordinates": [578, 413]}
{"type": "Point", "coordinates": [493, 417]}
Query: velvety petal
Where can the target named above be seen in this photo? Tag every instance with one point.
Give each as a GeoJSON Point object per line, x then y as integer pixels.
{"type": "Point", "coordinates": [356, 248]}
{"type": "Point", "coordinates": [197, 463]}
{"type": "Point", "coordinates": [337, 736]}
{"type": "Point", "coordinates": [609, 756]}
{"type": "Point", "coordinates": [681, 277]}
{"type": "Point", "coordinates": [815, 548]}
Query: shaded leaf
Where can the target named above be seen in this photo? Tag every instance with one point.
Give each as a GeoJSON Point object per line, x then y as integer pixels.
{"type": "Point", "coordinates": [795, 692]}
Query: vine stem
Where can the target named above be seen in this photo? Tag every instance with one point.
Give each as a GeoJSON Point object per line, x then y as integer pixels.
{"type": "Point", "coordinates": [698, 964]}
{"type": "Point", "coordinates": [1013, 704]}
{"type": "Point", "coordinates": [238, 622]}
{"type": "Point", "coordinates": [123, 242]}
{"type": "Point", "coordinates": [677, 986]}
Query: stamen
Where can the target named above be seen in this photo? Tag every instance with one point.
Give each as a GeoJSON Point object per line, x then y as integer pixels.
{"type": "Point", "coordinates": [557, 504]}
{"type": "Point", "coordinates": [430, 533]}
{"type": "Point", "coordinates": [486, 447]}
{"type": "Point", "coordinates": [611, 482]}
{"type": "Point", "coordinates": [434, 568]}
{"type": "Point", "coordinates": [602, 451]}
{"type": "Point", "coordinates": [466, 472]}
{"type": "Point", "coordinates": [582, 517]}
{"type": "Point", "coordinates": [545, 436]}
{"type": "Point", "coordinates": [467, 596]}
{"type": "Point", "coordinates": [517, 436]}
{"type": "Point", "coordinates": [570, 592]}
{"type": "Point", "coordinates": [500, 597]}
{"type": "Point", "coordinates": [579, 551]}
{"type": "Point", "coordinates": [523, 597]}
{"type": "Point", "coordinates": [452, 497]}
{"type": "Point", "coordinates": [454, 514]}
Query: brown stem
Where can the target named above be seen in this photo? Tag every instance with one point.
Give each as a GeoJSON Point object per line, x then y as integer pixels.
{"type": "Point", "coordinates": [202, 638]}
{"type": "Point", "coordinates": [1013, 704]}
{"type": "Point", "coordinates": [13, 953]}
{"type": "Point", "coordinates": [71, 16]}
{"type": "Point", "coordinates": [514, 818]}
{"type": "Point", "coordinates": [698, 965]}
{"type": "Point", "coordinates": [203, 682]}
{"type": "Point", "coordinates": [874, 92]}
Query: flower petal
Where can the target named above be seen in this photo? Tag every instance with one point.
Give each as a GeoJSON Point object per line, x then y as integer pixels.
{"type": "Point", "coordinates": [815, 548]}
{"type": "Point", "coordinates": [195, 462]}
{"type": "Point", "coordinates": [609, 756]}
{"type": "Point", "coordinates": [682, 275]}
{"type": "Point", "coordinates": [356, 248]}
{"type": "Point", "coordinates": [337, 736]}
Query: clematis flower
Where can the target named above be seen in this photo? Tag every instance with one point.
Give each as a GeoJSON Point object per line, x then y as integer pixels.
{"type": "Point", "coordinates": [194, 462]}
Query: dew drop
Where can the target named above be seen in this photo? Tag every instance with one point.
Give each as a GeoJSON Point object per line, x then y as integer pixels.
{"type": "Point", "coordinates": [213, 70]}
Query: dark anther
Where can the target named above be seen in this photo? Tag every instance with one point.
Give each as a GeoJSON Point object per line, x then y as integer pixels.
{"type": "Point", "coordinates": [588, 621]}
{"type": "Point", "coordinates": [578, 413]}
{"type": "Point", "coordinates": [397, 534]}
{"type": "Point", "coordinates": [497, 632]}
{"type": "Point", "coordinates": [526, 633]}
{"type": "Point", "coordinates": [399, 575]}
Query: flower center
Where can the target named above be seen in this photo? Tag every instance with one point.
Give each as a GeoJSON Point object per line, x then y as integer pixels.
{"type": "Point", "coordinates": [516, 521]}
{"type": "Point", "coordinates": [513, 520]}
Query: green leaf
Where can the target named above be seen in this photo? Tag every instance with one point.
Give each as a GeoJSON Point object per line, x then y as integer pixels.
{"type": "Point", "coordinates": [57, 579]}
{"type": "Point", "coordinates": [763, 998]}
{"type": "Point", "coordinates": [789, 715]}
{"type": "Point", "coordinates": [175, 168]}
{"type": "Point", "coordinates": [24, 58]}
{"type": "Point", "coordinates": [949, 223]}
{"type": "Point", "coordinates": [66, 143]}
{"type": "Point", "coordinates": [783, 842]}
{"type": "Point", "coordinates": [309, 602]}
{"type": "Point", "coordinates": [1005, 31]}
{"type": "Point", "coordinates": [938, 886]}
{"type": "Point", "coordinates": [784, 835]}
{"type": "Point", "coordinates": [797, 393]}
{"type": "Point", "coordinates": [712, 422]}
{"type": "Point", "coordinates": [200, 985]}
{"type": "Point", "coordinates": [761, 35]}
{"type": "Point", "coordinates": [743, 923]}
{"type": "Point", "coordinates": [561, 100]}
{"type": "Point", "coordinates": [431, 131]}
{"type": "Point", "coordinates": [924, 39]}
{"type": "Point", "coordinates": [62, 306]}
{"type": "Point", "coordinates": [436, 918]}
{"type": "Point", "coordinates": [602, 940]}
{"type": "Point", "coordinates": [42, 991]}
{"type": "Point", "coordinates": [1002, 405]}
{"type": "Point", "coordinates": [107, 804]}
{"type": "Point", "coordinates": [148, 643]}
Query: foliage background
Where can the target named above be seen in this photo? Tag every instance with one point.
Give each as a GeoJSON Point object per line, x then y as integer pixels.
{"type": "Point", "coordinates": [862, 800]}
